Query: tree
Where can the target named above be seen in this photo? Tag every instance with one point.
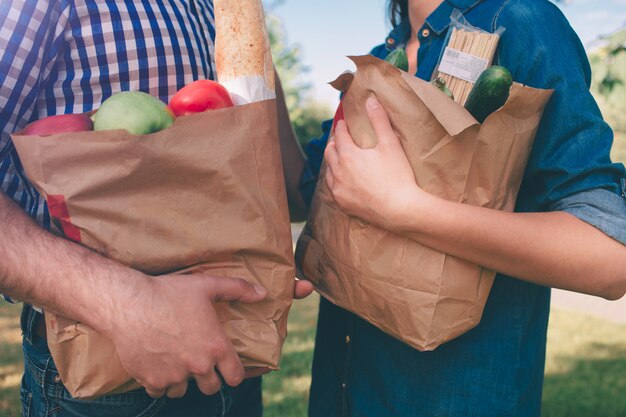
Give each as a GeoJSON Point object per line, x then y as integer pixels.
{"type": "Point", "coordinates": [615, 47]}
{"type": "Point", "coordinates": [306, 113]}
{"type": "Point", "coordinates": [608, 65]}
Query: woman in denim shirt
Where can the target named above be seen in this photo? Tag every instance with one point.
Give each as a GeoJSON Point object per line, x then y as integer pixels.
{"type": "Point", "coordinates": [568, 231]}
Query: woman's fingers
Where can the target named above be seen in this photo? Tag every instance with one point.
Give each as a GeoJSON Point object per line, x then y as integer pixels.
{"type": "Point", "coordinates": [330, 179]}
{"type": "Point", "coordinates": [343, 140]}
{"type": "Point", "coordinates": [332, 162]}
{"type": "Point", "coordinates": [380, 122]}
{"type": "Point", "coordinates": [331, 154]}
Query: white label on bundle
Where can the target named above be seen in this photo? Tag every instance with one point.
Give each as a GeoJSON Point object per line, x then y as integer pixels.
{"type": "Point", "coordinates": [462, 65]}
{"type": "Point", "coordinates": [245, 90]}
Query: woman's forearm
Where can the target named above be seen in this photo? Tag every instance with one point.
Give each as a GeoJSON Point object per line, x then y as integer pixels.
{"type": "Point", "coordinates": [553, 249]}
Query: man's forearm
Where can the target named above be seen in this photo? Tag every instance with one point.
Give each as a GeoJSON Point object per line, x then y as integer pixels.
{"type": "Point", "coordinates": [552, 249]}
{"type": "Point", "coordinates": [58, 275]}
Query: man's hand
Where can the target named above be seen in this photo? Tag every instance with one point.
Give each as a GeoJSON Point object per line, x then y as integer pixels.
{"type": "Point", "coordinates": [302, 289]}
{"type": "Point", "coordinates": [171, 333]}
{"type": "Point", "coordinates": [165, 329]}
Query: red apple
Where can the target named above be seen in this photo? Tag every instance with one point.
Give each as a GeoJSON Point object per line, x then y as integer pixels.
{"type": "Point", "coordinates": [59, 124]}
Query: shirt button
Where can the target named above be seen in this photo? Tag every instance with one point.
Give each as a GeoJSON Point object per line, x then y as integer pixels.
{"type": "Point", "coordinates": [425, 33]}
{"type": "Point", "coordinates": [57, 379]}
{"type": "Point", "coordinates": [343, 385]}
{"type": "Point", "coordinates": [347, 339]}
{"type": "Point", "coordinates": [391, 41]}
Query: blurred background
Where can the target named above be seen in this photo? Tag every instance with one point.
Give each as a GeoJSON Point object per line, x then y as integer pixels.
{"type": "Point", "coordinates": [586, 362]}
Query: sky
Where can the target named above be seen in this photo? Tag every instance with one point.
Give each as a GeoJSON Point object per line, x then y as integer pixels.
{"type": "Point", "coordinates": [328, 30]}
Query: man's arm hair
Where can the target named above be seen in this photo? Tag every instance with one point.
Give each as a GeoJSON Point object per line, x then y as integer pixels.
{"type": "Point", "coordinates": [48, 271]}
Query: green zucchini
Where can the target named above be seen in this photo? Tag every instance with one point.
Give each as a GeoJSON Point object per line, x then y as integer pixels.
{"type": "Point", "coordinates": [489, 93]}
{"type": "Point", "coordinates": [399, 59]}
{"type": "Point", "coordinates": [440, 83]}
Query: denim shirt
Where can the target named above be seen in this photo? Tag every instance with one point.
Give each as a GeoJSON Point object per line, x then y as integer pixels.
{"type": "Point", "coordinates": [495, 369]}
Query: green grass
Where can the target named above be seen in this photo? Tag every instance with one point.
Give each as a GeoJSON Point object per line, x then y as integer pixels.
{"type": "Point", "coordinates": [585, 369]}
{"type": "Point", "coordinates": [286, 393]}
{"type": "Point", "coordinates": [10, 360]}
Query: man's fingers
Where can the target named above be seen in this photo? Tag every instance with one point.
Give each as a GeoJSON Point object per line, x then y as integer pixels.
{"type": "Point", "coordinates": [209, 384]}
{"type": "Point", "coordinates": [231, 369]}
{"type": "Point", "coordinates": [380, 122]}
{"type": "Point", "coordinates": [177, 390]}
{"type": "Point", "coordinates": [302, 289]}
{"type": "Point", "coordinates": [155, 393]}
{"type": "Point", "coordinates": [254, 372]}
{"type": "Point", "coordinates": [236, 289]}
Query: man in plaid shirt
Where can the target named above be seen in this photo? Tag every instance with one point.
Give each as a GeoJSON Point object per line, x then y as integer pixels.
{"type": "Point", "coordinates": [61, 57]}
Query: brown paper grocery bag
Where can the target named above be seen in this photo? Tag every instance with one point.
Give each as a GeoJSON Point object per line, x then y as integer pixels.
{"type": "Point", "coordinates": [414, 293]}
{"type": "Point", "coordinates": [206, 194]}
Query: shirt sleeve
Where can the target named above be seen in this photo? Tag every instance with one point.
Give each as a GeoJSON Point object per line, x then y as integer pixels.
{"type": "Point", "coordinates": [570, 167]}
{"type": "Point", "coordinates": [600, 208]}
{"type": "Point", "coordinates": [31, 33]}
{"type": "Point", "coordinates": [315, 155]}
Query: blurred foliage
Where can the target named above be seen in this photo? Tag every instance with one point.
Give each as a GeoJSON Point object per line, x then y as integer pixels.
{"type": "Point", "coordinates": [615, 48]}
{"type": "Point", "coordinates": [306, 113]}
{"type": "Point", "coordinates": [608, 63]}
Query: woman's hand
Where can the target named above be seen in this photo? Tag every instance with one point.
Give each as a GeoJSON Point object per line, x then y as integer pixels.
{"type": "Point", "coordinates": [378, 184]}
{"type": "Point", "coordinates": [551, 249]}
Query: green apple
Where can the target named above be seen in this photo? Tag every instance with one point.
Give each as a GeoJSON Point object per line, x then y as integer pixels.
{"type": "Point", "coordinates": [137, 112]}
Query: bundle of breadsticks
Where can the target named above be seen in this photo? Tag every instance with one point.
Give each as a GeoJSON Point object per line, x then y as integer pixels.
{"type": "Point", "coordinates": [468, 53]}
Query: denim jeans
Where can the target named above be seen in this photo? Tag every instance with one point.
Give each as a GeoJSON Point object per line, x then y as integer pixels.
{"type": "Point", "coordinates": [43, 395]}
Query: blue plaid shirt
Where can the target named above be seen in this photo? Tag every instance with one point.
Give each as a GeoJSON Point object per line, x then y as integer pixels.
{"type": "Point", "coordinates": [60, 57]}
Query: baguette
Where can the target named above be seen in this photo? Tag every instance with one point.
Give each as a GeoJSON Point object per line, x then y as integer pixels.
{"type": "Point", "coordinates": [242, 51]}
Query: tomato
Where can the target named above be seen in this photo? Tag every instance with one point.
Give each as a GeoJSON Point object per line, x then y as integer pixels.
{"type": "Point", "coordinates": [200, 96]}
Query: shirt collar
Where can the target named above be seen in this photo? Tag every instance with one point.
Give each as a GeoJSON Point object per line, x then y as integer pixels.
{"type": "Point", "coordinates": [398, 35]}
{"type": "Point", "coordinates": [439, 20]}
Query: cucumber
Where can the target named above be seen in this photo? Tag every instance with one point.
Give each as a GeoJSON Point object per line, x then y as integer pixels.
{"type": "Point", "coordinates": [440, 83]}
{"type": "Point", "coordinates": [398, 59]}
{"type": "Point", "coordinates": [489, 93]}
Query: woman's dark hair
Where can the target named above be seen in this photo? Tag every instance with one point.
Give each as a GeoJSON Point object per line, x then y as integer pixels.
{"type": "Point", "coordinates": [398, 10]}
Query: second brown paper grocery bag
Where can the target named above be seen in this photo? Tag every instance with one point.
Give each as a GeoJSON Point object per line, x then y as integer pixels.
{"type": "Point", "coordinates": [414, 293]}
